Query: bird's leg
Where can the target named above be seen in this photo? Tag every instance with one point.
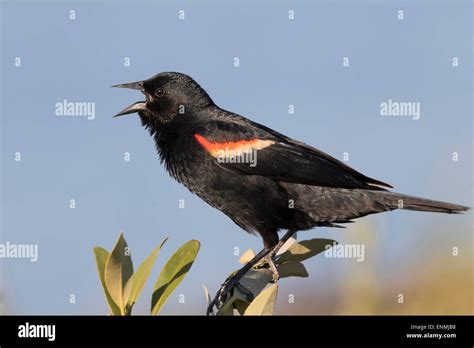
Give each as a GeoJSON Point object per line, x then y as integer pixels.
{"type": "Point", "coordinates": [271, 264]}
{"type": "Point", "coordinates": [282, 241]}
{"type": "Point", "coordinates": [274, 251]}
{"type": "Point", "coordinates": [233, 281]}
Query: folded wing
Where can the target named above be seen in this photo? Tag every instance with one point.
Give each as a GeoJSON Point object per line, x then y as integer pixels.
{"type": "Point", "coordinates": [277, 156]}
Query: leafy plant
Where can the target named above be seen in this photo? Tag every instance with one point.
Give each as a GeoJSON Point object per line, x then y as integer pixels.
{"type": "Point", "coordinates": [256, 281]}
{"type": "Point", "coordinates": [123, 287]}
{"type": "Point", "coordinates": [264, 303]}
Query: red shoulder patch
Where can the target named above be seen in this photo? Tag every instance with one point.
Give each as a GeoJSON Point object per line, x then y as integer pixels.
{"type": "Point", "coordinates": [231, 148]}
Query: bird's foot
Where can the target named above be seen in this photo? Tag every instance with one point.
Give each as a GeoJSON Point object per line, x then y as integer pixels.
{"type": "Point", "coordinates": [271, 264]}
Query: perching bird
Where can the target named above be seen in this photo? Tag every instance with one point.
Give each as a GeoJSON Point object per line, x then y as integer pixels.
{"type": "Point", "coordinates": [263, 180]}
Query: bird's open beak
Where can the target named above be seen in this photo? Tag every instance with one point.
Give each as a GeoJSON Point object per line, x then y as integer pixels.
{"type": "Point", "coordinates": [136, 107]}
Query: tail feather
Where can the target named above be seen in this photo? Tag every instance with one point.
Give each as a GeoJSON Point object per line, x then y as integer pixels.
{"type": "Point", "coordinates": [328, 206]}
{"type": "Point", "coordinates": [401, 201]}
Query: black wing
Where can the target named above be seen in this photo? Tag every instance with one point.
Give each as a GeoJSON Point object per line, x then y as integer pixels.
{"type": "Point", "coordinates": [279, 157]}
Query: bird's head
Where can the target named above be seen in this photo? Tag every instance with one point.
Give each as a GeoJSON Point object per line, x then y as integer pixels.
{"type": "Point", "coordinates": [168, 95]}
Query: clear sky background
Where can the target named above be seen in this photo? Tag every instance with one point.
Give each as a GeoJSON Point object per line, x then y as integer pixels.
{"type": "Point", "coordinates": [282, 62]}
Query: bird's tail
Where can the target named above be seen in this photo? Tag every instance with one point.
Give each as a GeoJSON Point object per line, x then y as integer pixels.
{"type": "Point", "coordinates": [325, 204]}
{"type": "Point", "coordinates": [400, 201]}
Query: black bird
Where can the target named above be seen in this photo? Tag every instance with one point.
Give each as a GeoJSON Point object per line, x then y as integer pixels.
{"type": "Point", "coordinates": [263, 180]}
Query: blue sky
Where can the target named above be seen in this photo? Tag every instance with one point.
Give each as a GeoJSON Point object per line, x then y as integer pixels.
{"type": "Point", "coordinates": [282, 62]}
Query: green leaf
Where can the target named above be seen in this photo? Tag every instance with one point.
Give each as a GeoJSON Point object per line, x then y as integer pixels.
{"type": "Point", "coordinates": [227, 308]}
{"type": "Point", "coordinates": [255, 280]}
{"type": "Point", "coordinates": [241, 306]}
{"type": "Point", "coordinates": [264, 304]}
{"type": "Point", "coordinates": [247, 256]}
{"type": "Point", "coordinates": [118, 270]}
{"type": "Point", "coordinates": [173, 273]}
{"type": "Point", "coordinates": [101, 256]}
{"type": "Point", "coordinates": [292, 269]}
{"type": "Point", "coordinates": [127, 291]}
{"type": "Point", "coordinates": [304, 250]}
{"type": "Point", "coordinates": [141, 275]}
{"type": "Point", "coordinates": [237, 301]}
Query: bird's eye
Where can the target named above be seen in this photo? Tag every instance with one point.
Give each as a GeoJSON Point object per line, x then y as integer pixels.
{"type": "Point", "coordinates": [159, 92]}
